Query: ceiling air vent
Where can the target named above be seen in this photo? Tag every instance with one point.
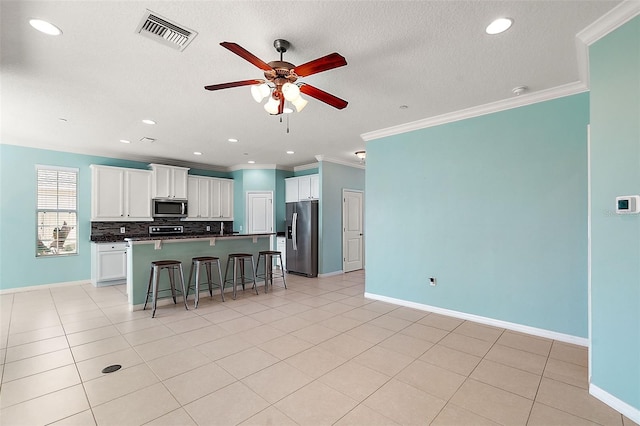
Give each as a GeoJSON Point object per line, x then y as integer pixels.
{"type": "Point", "coordinates": [164, 31]}
{"type": "Point", "coordinates": [147, 140]}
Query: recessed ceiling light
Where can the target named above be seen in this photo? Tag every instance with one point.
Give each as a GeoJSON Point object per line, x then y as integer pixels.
{"type": "Point", "coordinates": [124, 141]}
{"type": "Point", "coordinates": [64, 120]}
{"type": "Point", "coordinates": [290, 152]}
{"type": "Point", "coordinates": [404, 106]}
{"type": "Point", "coordinates": [232, 140]}
{"type": "Point", "coordinates": [498, 26]}
{"type": "Point", "coordinates": [197, 153]}
{"type": "Point", "coordinates": [45, 27]}
{"type": "Point", "coordinates": [147, 121]}
{"type": "Point", "coordinates": [287, 110]}
{"type": "Point", "coordinates": [251, 162]}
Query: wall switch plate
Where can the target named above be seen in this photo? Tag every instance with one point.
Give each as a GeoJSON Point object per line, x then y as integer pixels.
{"type": "Point", "coordinates": [432, 281]}
{"type": "Point", "coordinates": [208, 228]}
{"type": "Point", "coordinates": [122, 231]}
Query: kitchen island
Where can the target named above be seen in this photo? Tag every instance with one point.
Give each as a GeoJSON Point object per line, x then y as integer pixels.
{"type": "Point", "coordinates": [146, 249]}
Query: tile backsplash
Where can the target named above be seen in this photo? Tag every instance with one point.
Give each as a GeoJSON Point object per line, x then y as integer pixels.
{"type": "Point", "coordinates": [101, 231]}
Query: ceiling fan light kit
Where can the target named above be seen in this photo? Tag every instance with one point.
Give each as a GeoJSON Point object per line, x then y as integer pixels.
{"type": "Point", "coordinates": [280, 79]}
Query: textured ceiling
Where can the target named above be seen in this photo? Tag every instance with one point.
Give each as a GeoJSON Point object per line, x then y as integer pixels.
{"type": "Point", "coordinates": [103, 78]}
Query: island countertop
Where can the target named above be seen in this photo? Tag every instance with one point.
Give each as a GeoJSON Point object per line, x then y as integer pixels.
{"type": "Point", "coordinates": [151, 238]}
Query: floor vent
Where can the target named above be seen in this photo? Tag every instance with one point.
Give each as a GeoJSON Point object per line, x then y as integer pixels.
{"type": "Point", "coordinates": [164, 31]}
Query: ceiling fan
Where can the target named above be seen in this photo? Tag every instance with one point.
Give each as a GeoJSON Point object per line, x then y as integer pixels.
{"type": "Point", "coordinates": [280, 79]}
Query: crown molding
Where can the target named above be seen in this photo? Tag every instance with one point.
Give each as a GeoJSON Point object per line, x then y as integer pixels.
{"type": "Point", "coordinates": [322, 158]}
{"type": "Point", "coordinates": [613, 19]}
{"type": "Point", "coordinates": [610, 21]}
{"type": "Point", "coordinates": [306, 167]}
{"type": "Point", "coordinates": [476, 111]}
{"type": "Point", "coordinates": [253, 167]}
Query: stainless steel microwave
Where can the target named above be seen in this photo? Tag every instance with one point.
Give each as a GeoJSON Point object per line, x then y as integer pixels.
{"type": "Point", "coordinates": [168, 207]}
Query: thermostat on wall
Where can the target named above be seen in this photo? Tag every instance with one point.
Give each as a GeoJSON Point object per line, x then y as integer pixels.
{"type": "Point", "coordinates": [628, 204]}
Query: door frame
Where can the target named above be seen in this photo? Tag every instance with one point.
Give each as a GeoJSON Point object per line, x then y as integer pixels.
{"type": "Point", "coordinates": [344, 190]}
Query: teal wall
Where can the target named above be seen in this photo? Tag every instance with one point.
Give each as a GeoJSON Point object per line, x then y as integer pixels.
{"type": "Point", "coordinates": [615, 239]}
{"type": "Point", "coordinates": [305, 172]}
{"type": "Point", "coordinates": [333, 179]}
{"type": "Point", "coordinates": [18, 264]}
{"type": "Point", "coordinates": [494, 207]}
{"type": "Point", "coordinates": [210, 173]}
{"type": "Point", "coordinates": [279, 200]}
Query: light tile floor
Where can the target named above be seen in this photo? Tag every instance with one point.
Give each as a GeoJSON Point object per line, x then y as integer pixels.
{"type": "Point", "coordinates": [318, 353]}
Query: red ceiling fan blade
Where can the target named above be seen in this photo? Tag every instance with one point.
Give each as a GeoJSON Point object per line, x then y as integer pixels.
{"type": "Point", "coordinates": [333, 60]}
{"type": "Point", "coordinates": [246, 55]}
{"type": "Point", "coordinates": [323, 96]}
{"type": "Point", "coordinates": [233, 84]}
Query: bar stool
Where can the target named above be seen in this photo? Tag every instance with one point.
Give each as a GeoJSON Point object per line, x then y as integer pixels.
{"type": "Point", "coordinates": [154, 278]}
{"type": "Point", "coordinates": [268, 256]}
{"type": "Point", "coordinates": [238, 260]}
{"type": "Point", "coordinates": [197, 263]}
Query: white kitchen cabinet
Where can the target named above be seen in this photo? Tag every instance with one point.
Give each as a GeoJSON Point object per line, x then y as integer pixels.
{"type": "Point", "coordinates": [222, 199]}
{"type": "Point", "coordinates": [302, 188]}
{"type": "Point", "coordinates": [120, 194]}
{"type": "Point", "coordinates": [314, 183]}
{"type": "Point", "coordinates": [291, 186]}
{"type": "Point", "coordinates": [169, 181]}
{"type": "Point", "coordinates": [210, 198]}
{"type": "Point", "coordinates": [199, 198]}
{"type": "Point", "coordinates": [108, 264]}
{"type": "Point", "coordinates": [281, 246]}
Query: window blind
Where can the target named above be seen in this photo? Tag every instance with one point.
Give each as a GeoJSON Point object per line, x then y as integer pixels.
{"type": "Point", "coordinates": [56, 211]}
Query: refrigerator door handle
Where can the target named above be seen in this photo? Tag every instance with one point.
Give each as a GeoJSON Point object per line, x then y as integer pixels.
{"type": "Point", "coordinates": [294, 226]}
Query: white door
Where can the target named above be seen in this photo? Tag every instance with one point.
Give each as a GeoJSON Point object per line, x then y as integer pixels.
{"type": "Point", "coordinates": [352, 230]}
{"type": "Point", "coordinates": [259, 212]}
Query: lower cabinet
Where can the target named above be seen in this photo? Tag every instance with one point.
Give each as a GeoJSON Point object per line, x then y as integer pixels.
{"type": "Point", "coordinates": [281, 246]}
{"type": "Point", "coordinates": [108, 263]}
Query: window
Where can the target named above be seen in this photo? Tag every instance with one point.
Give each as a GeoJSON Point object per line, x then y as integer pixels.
{"type": "Point", "coordinates": [57, 217]}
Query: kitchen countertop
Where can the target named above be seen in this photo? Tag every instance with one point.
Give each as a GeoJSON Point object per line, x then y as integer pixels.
{"type": "Point", "coordinates": [147, 237]}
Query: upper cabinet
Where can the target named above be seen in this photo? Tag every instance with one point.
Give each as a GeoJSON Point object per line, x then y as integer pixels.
{"type": "Point", "coordinates": [210, 198]}
{"type": "Point", "coordinates": [169, 181]}
{"type": "Point", "coordinates": [199, 197]}
{"type": "Point", "coordinates": [222, 199]}
{"type": "Point", "coordinates": [302, 188]}
{"type": "Point", "coordinates": [120, 194]}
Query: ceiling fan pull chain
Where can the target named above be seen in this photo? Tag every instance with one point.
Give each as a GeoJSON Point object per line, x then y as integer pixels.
{"type": "Point", "coordinates": [288, 123]}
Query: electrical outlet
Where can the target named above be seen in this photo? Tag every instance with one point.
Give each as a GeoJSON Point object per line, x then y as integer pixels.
{"type": "Point", "coordinates": [432, 281]}
{"type": "Point", "coordinates": [208, 228]}
{"type": "Point", "coordinates": [240, 228]}
{"type": "Point", "coordinates": [122, 230]}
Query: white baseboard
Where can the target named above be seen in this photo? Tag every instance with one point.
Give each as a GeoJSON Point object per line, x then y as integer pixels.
{"type": "Point", "coordinates": [567, 338]}
{"type": "Point", "coordinates": [613, 402]}
{"type": "Point", "coordinates": [44, 286]}
{"type": "Point", "coordinates": [330, 274]}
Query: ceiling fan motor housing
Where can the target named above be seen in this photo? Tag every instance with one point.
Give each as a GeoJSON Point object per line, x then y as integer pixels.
{"type": "Point", "coordinates": [280, 74]}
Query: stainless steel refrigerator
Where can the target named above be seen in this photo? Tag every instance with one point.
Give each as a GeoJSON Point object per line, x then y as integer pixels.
{"type": "Point", "coordinates": [302, 238]}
